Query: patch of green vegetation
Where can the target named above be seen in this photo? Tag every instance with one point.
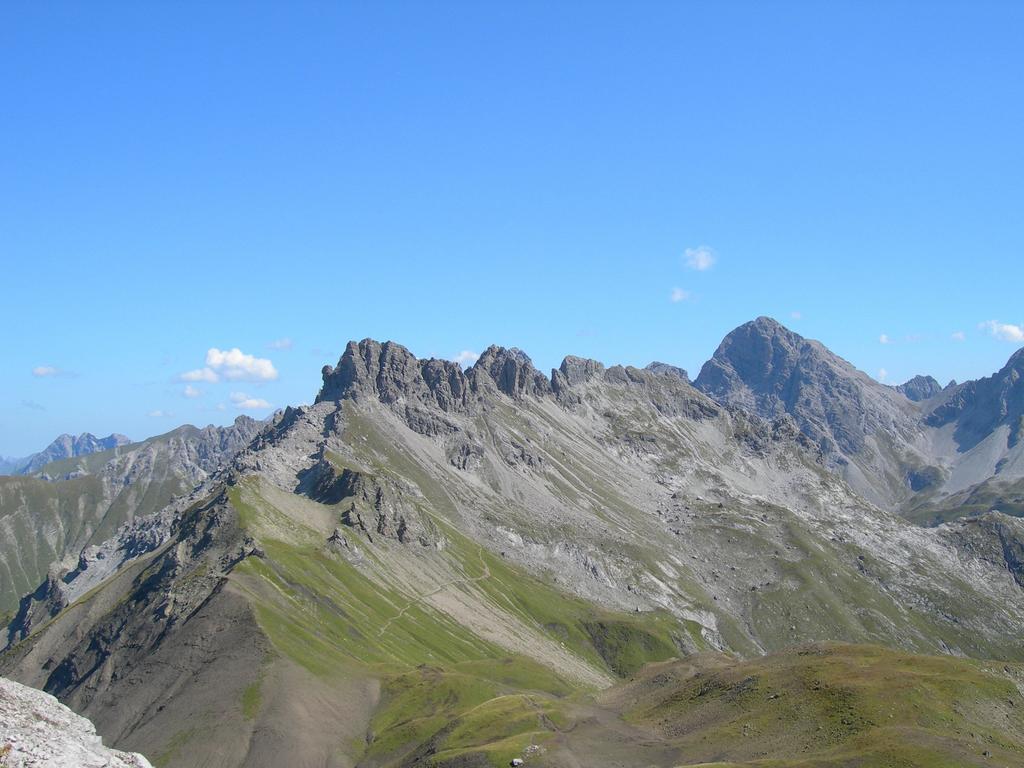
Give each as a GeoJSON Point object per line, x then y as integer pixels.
{"type": "Point", "coordinates": [494, 707]}
{"type": "Point", "coordinates": [321, 611]}
{"type": "Point", "coordinates": [174, 746]}
{"type": "Point", "coordinates": [43, 521]}
{"type": "Point", "coordinates": [625, 646]}
{"type": "Point", "coordinates": [252, 698]}
{"type": "Point", "coordinates": [837, 705]}
{"type": "Point", "coordinates": [993, 494]}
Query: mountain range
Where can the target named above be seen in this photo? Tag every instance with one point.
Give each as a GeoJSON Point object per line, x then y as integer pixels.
{"type": "Point", "coordinates": [783, 562]}
{"type": "Point", "coordinates": [63, 447]}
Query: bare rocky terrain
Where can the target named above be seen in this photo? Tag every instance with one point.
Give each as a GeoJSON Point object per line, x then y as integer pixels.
{"type": "Point", "coordinates": [432, 565]}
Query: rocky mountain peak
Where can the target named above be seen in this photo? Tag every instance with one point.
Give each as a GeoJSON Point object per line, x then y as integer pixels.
{"type": "Point", "coordinates": [667, 369]}
{"type": "Point", "coordinates": [766, 368]}
{"type": "Point", "coordinates": [390, 372]}
{"type": "Point", "coordinates": [370, 368]}
{"type": "Point", "coordinates": [511, 371]}
{"type": "Point", "coordinates": [920, 388]}
{"type": "Point", "coordinates": [758, 363]}
{"type": "Point", "coordinates": [579, 370]}
{"type": "Point", "coordinates": [574, 371]}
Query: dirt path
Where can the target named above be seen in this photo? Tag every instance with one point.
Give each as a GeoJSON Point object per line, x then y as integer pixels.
{"type": "Point", "coordinates": [599, 736]}
{"type": "Point", "coordinates": [427, 595]}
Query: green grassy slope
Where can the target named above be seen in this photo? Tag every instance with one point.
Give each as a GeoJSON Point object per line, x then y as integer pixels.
{"type": "Point", "coordinates": [447, 691]}
{"type": "Point", "coordinates": [816, 706]}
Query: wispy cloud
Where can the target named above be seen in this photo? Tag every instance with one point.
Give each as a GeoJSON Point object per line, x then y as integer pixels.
{"type": "Point", "coordinates": [44, 371]}
{"type": "Point", "coordinates": [192, 392]}
{"type": "Point", "coordinates": [882, 374]}
{"type": "Point", "coordinates": [679, 294]}
{"type": "Point", "coordinates": [701, 258]}
{"type": "Point", "coordinates": [796, 314]}
{"type": "Point", "coordinates": [282, 344]}
{"type": "Point", "coordinates": [232, 365]}
{"type": "Point", "coordinates": [243, 402]}
{"type": "Point", "coordinates": [1004, 331]}
{"type": "Point", "coordinates": [884, 339]}
{"type": "Point", "coordinates": [32, 405]}
{"type": "Point", "coordinates": [958, 336]}
{"type": "Point", "coordinates": [466, 358]}
{"type": "Point", "coordinates": [160, 414]}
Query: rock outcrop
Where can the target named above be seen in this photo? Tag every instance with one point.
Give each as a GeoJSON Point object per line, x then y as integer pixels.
{"type": "Point", "coordinates": [511, 371]}
{"type": "Point", "coordinates": [38, 731]}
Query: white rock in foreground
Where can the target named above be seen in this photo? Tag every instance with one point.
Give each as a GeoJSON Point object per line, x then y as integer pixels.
{"type": "Point", "coordinates": [37, 730]}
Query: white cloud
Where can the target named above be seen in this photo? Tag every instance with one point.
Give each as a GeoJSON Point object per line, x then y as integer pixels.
{"type": "Point", "coordinates": [191, 391]}
{"type": "Point", "coordinates": [41, 371]}
{"type": "Point", "coordinates": [466, 358]}
{"type": "Point", "coordinates": [701, 258]}
{"type": "Point", "coordinates": [679, 294]}
{"type": "Point", "coordinates": [284, 343]}
{"type": "Point", "coordinates": [796, 314]}
{"type": "Point", "coordinates": [883, 339]}
{"type": "Point", "coordinates": [159, 414]}
{"type": "Point", "coordinates": [1004, 331]}
{"type": "Point", "coordinates": [958, 336]}
{"type": "Point", "coordinates": [882, 374]}
{"type": "Point", "coordinates": [243, 402]}
{"type": "Point", "coordinates": [233, 365]}
{"type": "Point", "coordinates": [201, 374]}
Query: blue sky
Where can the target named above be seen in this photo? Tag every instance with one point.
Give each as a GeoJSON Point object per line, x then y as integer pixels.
{"type": "Point", "coordinates": [181, 177]}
